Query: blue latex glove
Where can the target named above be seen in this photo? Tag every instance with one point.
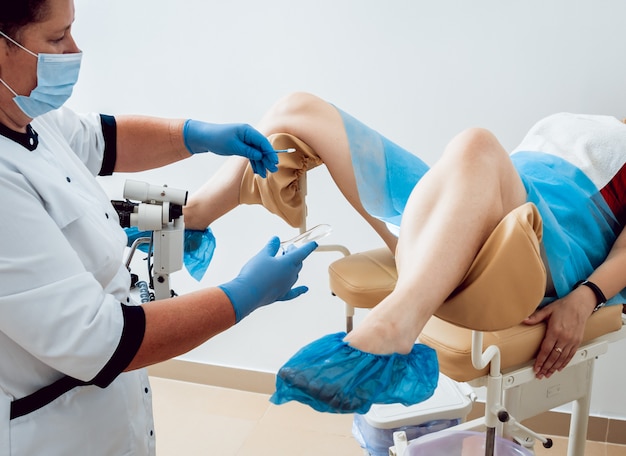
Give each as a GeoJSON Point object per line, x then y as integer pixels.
{"type": "Point", "coordinates": [231, 139]}
{"type": "Point", "coordinates": [267, 278]}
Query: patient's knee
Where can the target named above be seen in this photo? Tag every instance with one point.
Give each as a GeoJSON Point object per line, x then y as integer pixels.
{"type": "Point", "coordinates": [295, 104]}
{"type": "Point", "coordinates": [475, 146]}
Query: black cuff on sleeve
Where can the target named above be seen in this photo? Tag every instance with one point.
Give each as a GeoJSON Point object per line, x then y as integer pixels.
{"type": "Point", "coordinates": [132, 336]}
{"type": "Point", "coordinates": [109, 130]}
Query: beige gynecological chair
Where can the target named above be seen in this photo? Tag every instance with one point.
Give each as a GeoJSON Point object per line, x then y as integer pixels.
{"type": "Point", "coordinates": [479, 337]}
{"type": "Point", "coordinates": [477, 333]}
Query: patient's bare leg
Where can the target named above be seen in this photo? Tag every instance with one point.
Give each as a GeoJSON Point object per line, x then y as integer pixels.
{"type": "Point", "coordinates": [218, 196]}
{"type": "Point", "coordinates": [449, 215]}
{"type": "Point", "coordinates": [315, 122]}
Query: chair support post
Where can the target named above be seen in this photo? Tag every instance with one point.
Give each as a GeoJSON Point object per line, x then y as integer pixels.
{"type": "Point", "coordinates": [349, 317]}
{"type": "Point", "coordinates": [481, 359]}
{"type": "Point", "coordinates": [580, 419]}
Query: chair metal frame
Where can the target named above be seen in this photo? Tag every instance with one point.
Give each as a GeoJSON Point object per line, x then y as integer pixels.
{"type": "Point", "coordinates": [507, 403]}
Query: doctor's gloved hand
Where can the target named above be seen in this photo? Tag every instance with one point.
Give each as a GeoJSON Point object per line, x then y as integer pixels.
{"type": "Point", "coordinates": [267, 278]}
{"type": "Point", "coordinates": [231, 139]}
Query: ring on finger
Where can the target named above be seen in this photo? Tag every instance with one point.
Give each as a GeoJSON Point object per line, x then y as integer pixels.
{"type": "Point", "coordinates": [558, 349]}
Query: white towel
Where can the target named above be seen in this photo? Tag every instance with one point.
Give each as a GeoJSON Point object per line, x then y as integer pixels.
{"type": "Point", "coordinates": [594, 144]}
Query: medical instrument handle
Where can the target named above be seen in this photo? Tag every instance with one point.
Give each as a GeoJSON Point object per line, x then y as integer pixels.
{"type": "Point", "coordinates": [314, 234]}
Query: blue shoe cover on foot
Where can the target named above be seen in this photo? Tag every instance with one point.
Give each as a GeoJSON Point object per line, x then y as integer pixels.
{"type": "Point", "coordinates": [331, 376]}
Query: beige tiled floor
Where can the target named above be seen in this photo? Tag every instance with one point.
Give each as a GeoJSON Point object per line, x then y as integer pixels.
{"type": "Point", "coordinates": [194, 420]}
{"type": "Point", "coordinates": [200, 420]}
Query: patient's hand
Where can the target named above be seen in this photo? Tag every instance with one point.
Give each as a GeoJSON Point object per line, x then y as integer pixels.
{"type": "Point", "coordinates": [565, 324]}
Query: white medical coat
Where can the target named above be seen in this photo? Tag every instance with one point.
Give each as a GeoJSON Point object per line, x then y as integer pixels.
{"type": "Point", "coordinates": [63, 285]}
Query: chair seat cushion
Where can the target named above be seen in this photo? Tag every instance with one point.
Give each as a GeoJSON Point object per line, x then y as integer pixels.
{"type": "Point", "coordinates": [363, 279]}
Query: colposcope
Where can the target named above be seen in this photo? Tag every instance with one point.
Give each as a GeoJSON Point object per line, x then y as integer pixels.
{"type": "Point", "coordinates": [159, 209]}
{"type": "Point", "coordinates": [157, 212]}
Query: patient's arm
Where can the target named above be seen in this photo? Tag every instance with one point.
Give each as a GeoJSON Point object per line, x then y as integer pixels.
{"type": "Point", "coordinates": [315, 122]}
{"type": "Point", "coordinates": [566, 317]}
{"type": "Point", "coordinates": [610, 274]}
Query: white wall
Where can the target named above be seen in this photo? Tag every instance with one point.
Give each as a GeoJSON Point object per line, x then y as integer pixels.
{"type": "Point", "coordinates": [417, 71]}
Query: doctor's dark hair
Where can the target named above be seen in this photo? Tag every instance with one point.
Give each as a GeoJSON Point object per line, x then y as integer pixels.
{"type": "Point", "coordinates": [15, 14]}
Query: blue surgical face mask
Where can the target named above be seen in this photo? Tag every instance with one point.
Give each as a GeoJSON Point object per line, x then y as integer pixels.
{"type": "Point", "coordinates": [56, 76]}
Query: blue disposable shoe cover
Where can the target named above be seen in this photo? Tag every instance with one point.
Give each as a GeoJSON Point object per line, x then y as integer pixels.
{"type": "Point", "coordinates": [331, 376]}
{"type": "Point", "coordinates": [199, 248]}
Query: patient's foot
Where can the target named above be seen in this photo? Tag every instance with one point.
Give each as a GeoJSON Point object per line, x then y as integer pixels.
{"type": "Point", "coordinates": [377, 336]}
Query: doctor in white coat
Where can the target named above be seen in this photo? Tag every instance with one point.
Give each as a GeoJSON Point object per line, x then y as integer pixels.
{"type": "Point", "coordinates": [72, 342]}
